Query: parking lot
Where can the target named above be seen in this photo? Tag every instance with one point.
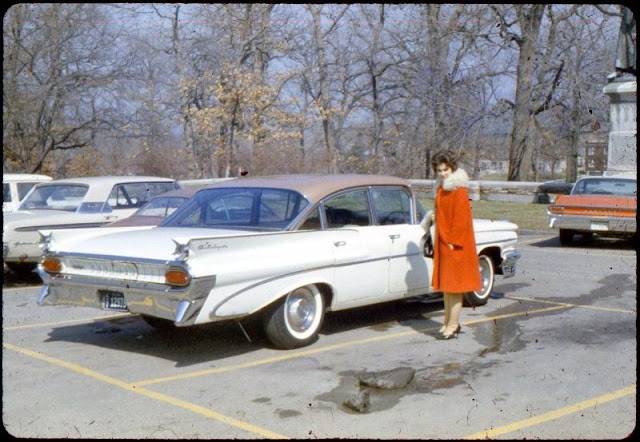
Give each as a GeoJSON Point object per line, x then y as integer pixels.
{"type": "Point", "coordinates": [552, 355]}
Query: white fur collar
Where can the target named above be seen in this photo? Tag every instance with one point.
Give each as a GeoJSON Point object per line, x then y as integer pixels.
{"type": "Point", "coordinates": [459, 178]}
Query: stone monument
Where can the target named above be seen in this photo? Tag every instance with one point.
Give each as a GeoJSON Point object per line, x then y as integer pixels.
{"type": "Point", "coordinates": [622, 89]}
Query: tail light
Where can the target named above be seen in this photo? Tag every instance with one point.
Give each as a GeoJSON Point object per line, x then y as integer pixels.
{"type": "Point", "coordinates": [556, 209]}
{"type": "Point", "coordinates": [177, 276]}
{"type": "Point", "coordinates": [51, 264]}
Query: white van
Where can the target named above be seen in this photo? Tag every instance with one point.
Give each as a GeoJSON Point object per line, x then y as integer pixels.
{"type": "Point", "coordinates": [15, 187]}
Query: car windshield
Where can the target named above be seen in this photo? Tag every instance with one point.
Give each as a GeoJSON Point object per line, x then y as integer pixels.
{"type": "Point", "coordinates": [241, 208]}
{"type": "Point", "coordinates": [55, 197]}
{"type": "Point", "coordinates": [605, 186]}
{"type": "Point", "coordinates": [161, 206]}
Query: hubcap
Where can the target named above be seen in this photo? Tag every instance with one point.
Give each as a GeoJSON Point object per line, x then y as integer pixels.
{"type": "Point", "coordinates": [485, 274]}
{"type": "Point", "coordinates": [301, 310]}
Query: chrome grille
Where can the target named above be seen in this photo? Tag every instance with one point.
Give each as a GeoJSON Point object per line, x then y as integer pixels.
{"type": "Point", "coordinates": [114, 269]}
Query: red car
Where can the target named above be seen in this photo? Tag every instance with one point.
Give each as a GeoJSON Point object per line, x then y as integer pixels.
{"type": "Point", "coordinates": [604, 205]}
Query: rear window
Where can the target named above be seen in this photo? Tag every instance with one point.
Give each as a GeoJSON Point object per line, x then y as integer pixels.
{"type": "Point", "coordinates": [605, 186]}
{"type": "Point", "coordinates": [6, 193]}
{"type": "Point", "coordinates": [243, 208]}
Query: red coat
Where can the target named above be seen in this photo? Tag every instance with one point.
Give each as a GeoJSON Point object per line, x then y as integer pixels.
{"type": "Point", "coordinates": [457, 270]}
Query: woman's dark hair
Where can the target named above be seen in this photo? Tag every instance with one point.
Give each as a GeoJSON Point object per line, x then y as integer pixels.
{"type": "Point", "coordinates": [444, 157]}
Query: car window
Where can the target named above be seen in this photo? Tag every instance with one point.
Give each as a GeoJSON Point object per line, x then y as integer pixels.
{"type": "Point", "coordinates": [312, 222]}
{"type": "Point", "coordinates": [391, 206]}
{"type": "Point", "coordinates": [6, 193]}
{"type": "Point", "coordinates": [605, 186]}
{"type": "Point", "coordinates": [348, 209]}
{"type": "Point", "coordinates": [23, 189]}
{"type": "Point", "coordinates": [251, 208]}
{"type": "Point", "coordinates": [55, 197]}
{"type": "Point", "coordinates": [134, 195]}
{"type": "Point", "coordinates": [161, 206]}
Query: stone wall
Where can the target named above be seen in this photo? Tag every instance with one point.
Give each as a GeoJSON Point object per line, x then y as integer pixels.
{"type": "Point", "coordinates": [513, 191]}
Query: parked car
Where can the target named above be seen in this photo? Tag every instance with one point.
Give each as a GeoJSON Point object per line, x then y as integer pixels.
{"type": "Point", "coordinates": [604, 205]}
{"type": "Point", "coordinates": [72, 203]}
{"type": "Point", "coordinates": [290, 247]}
{"type": "Point", "coordinates": [548, 191]}
{"type": "Point", "coordinates": [157, 209]}
{"type": "Point", "coordinates": [15, 186]}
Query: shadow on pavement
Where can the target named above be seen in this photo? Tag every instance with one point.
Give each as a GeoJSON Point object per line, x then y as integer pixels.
{"type": "Point", "coordinates": [595, 243]}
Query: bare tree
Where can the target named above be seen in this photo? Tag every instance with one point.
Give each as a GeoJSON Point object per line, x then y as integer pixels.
{"type": "Point", "coordinates": [59, 60]}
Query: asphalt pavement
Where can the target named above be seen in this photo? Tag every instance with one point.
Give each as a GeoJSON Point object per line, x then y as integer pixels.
{"type": "Point", "coordinates": [552, 355]}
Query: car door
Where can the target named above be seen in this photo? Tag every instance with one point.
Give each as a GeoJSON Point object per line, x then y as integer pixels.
{"type": "Point", "coordinates": [361, 260]}
{"type": "Point", "coordinates": [409, 270]}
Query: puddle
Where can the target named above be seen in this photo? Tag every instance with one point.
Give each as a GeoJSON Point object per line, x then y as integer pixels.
{"type": "Point", "coordinates": [283, 414]}
{"type": "Point", "coordinates": [429, 380]}
{"type": "Point", "coordinates": [498, 337]}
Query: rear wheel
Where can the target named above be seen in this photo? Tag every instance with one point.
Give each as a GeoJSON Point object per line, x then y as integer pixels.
{"type": "Point", "coordinates": [295, 320]}
{"type": "Point", "coordinates": [566, 236]}
{"type": "Point", "coordinates": [487, 274]}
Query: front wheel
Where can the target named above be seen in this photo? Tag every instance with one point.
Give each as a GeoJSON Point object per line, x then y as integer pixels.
{"type": "Point", "coordinates": [487, 274]}
{"type": "Point", "coordinates": [296, 319]}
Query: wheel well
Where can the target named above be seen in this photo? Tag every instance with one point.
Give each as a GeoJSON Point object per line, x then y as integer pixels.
{"type": "Point", "coordinates": [327, 294]}
{"type": "Point", "coordinates": [494, 254]}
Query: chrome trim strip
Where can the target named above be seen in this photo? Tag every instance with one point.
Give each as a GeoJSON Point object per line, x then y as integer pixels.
{"type": "Point", "coordinates": [61, 226]}
{"type": "Point", "coordinates": [285, 275]}
{"type": "Point", "coordinates": [126, 259]}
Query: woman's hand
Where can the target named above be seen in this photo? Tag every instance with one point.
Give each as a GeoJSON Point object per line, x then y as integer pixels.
{"type": "Point", "coordinates": [450, 246]}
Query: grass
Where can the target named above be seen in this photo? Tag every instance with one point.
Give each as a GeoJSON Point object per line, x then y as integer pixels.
{"type": "Point", "coordinates": [527, 216]}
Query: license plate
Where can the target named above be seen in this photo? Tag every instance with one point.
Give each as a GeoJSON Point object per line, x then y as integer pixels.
{"type": "Point", "coordinates": [599, 226]}
{"type": "Point", "coordinates": [113, 300]}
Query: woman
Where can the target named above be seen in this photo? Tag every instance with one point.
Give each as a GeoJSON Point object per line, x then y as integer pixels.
{"type": "Point", "coordinates": [455, 262]}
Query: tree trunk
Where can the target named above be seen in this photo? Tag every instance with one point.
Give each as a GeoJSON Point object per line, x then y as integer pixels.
{"type": "Point", "coordinates": [521, 161]}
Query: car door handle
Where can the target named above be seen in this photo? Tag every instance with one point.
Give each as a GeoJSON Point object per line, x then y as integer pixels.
{"type": "Point", "coordinates": [340, 243]}
{"type": "Point", "coordinates": [394, 236]}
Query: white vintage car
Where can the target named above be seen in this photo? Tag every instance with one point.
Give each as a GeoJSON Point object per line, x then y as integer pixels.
{"type": "Point", "coordinates": [72, 203]}
{"type": "Point", "coordinates": [290, 247]}
{"type": "Point", "coordinates": [15, 186]}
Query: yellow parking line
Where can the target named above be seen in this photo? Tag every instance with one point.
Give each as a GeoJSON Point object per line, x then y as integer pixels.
{"type": "Point", "coordinates": [555, 414]}
{"type": "Point", "coordinates": [300, 354]}
{"type": "Point", "coordinates": [148, 393]}
{"type": "Point", "coordinates": [70, 321]}
{"type": "Point", "coordinates": [591, 307]}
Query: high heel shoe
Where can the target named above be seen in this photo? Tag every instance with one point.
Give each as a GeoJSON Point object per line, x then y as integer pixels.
{"type": "Point", "coordinates": [453, 334]}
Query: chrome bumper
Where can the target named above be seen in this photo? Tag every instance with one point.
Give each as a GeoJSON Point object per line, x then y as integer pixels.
{"type": "Point", "coordinates": [593, 223]}
{"type": "Point", "coordinates": [508, 266]}
{"type": "Point", "coordinates": [179, 305]}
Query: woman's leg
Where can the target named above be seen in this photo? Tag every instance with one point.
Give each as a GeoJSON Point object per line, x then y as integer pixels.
{"type": "Point", "coordinates": [447, 312]}
{"type": "Point", "coordinates": [455, 309]}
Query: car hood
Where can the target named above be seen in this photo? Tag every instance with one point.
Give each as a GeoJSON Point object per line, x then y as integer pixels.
{"type": "Point", "coordinates": [155, 243]}
{"type": "Point", "coordinates": [598, 201]}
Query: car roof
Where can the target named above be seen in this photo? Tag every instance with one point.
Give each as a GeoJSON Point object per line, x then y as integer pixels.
{"type": "Point", "coordinates": [111, 179]}
{"type": "Point", "coordinates": [607, 177]}
{"type": "Point", "coordinates": [17, 177]}
{"type": "Point", "coordinates": [314, 186]}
